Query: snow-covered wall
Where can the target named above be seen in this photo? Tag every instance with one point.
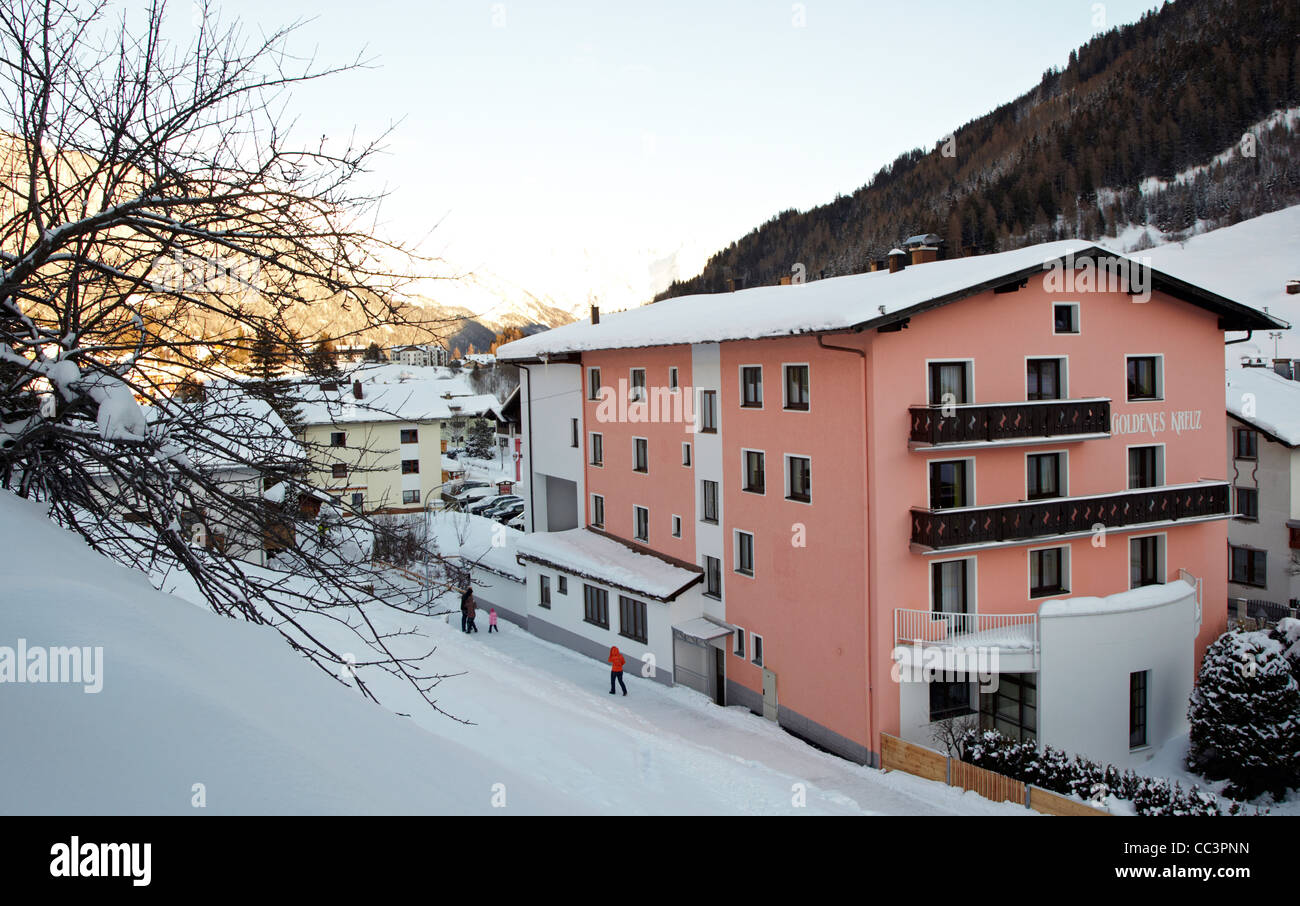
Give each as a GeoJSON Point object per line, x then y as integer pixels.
{"type": "Point", "coordinates": [551, 397]}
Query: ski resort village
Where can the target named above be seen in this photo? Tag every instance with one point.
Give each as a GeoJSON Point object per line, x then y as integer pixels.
{"type": "Point", "coordinates": [974, 492]}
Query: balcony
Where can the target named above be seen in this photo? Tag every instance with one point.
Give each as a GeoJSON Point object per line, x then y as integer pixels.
{"type": "Point", "coordinates": [1012, 636]}
{"type": "Point", "coordinates": [1063, 517]}
{"type": "Point", "coordinates": [1009, 424]}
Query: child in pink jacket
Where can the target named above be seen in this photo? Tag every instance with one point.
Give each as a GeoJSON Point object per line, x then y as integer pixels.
{"type": "Point", "coordinates": [492, 620]}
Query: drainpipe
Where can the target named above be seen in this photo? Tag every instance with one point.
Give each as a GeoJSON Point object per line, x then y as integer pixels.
{"type": "Point", "coordinates": [1244, 339]}
{"type": "Point", "coordinates": [532, 509]}
{"type": "Point", "coordinates": [873, 757]}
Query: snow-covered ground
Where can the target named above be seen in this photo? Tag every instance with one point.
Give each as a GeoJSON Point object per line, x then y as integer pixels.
{"type": "Point", "coordinates": [192, 698]}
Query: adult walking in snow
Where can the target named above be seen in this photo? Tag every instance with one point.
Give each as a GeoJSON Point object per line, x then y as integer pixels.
{"type": "Point", "coordinates": [473, 610]}
{"type": "Point", "coordinates": [492, 621]}
{"type": "Point", "coordinates": [616, 662]}
{"type": "Point", "coordinates": [465, 597]}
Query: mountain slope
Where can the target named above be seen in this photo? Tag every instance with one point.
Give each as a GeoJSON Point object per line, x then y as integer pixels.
{"type": "Point", "coordinates": [1074, 157]}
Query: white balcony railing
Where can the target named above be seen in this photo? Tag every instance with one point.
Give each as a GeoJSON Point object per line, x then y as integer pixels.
{"type": "Point", "coordinates": [1009, 632]}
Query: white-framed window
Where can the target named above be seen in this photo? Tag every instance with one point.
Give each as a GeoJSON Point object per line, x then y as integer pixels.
{"type": "Point", "coordinates": [640, 454]}
{"type": "Point", "coordinates": [1145, 376]}
{"type": "Point", "coordinates": [1146, 466]}
{"type": "Point", "coordinates": [597, 449]}
{"type": "Point", "coordinates": [756, 649]}
{"type": "Point", "coordinates": [951, 483]}
{"type": "Point", "coordinates": [709, 501]}
{"type": "Point", "coordinates": [677, 526]}
{"type": "Point", "coordinates": [544, 591]}
{"type": "Point", "coordinates": [753, 471]}
{"type": "Point", "coordinates": [1047, 474]}
{"type": "Point", "coordinates": [686, 454]}
{"type": "Point", "coordinates": [640, 523]}
{"type": "Point", "coordinates": [798, 478]}
{"type": "Point", "coordinates": [739, 648]}
{"type": "Point", "coordinates": [708, 412]}
{"type": "Point", "coordinates": [1049, 571]}
{"type": "Point", "coordinates": [751, 386]}
{"type": "Point", "coordinates": [712, 577]}
{"type": "Point", "coordinates": [744, 553]}
{"type": "Point", "coordinates": [953, 585]}
{"type": "Point", "coordinates": [1047, 377]}
{"type": "Point", "coordinates": [598, 511]}
{"type": "Point", "coordinates": [1065, 319]}
{"type": "Point", "coordinates": [562, 584]}
{"type": "Point", "coordinates": [949, 381]}
{"type": "Point", "coordinates": [410, 497]}
{"type": "Point", "coordinates": [795, 388]}
{"type": "Point", "coordinates": [593, 383]}
{"type": "Point", "coordinates": [1146, 560]}
{"type": "Point", "coordinates": [636, 384]}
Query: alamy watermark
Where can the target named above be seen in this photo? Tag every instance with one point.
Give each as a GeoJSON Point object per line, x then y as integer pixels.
{"type": "Point", "coordinates": [71, 665]}
{"type": "Point", "coordinates": [1100, 274]}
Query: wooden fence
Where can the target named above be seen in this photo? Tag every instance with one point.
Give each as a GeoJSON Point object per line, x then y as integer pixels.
{"type": "Point", "coordinates": [899, 755]}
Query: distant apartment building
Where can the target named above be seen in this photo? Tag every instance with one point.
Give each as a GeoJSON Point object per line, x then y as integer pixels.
{"type": "Point", "coordinates": [990, 488]}
{"type": "Point", "coordinates": [422, 355]}
{"type": "Point", "coordinates": [1263, 442]}
{"type": "Point", "coordinates": [377, 441]}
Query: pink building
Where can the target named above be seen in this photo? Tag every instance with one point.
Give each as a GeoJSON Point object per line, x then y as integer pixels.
{"type": "Point", "coordinates": [987, 489]}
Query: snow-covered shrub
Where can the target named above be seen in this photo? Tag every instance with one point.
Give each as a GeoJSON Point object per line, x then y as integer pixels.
{"type": "Point", "coordinates": [1245, 713]}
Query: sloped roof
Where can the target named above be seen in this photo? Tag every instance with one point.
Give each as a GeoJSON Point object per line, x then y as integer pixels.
{"type": "Point", "coordinates": [392, 392]}
{"type": "Point", "coordinates": [1272, 400]}
{"type": "Point", "coordinates": [603, 559]}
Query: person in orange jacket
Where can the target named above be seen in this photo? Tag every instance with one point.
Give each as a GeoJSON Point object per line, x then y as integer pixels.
{"type": "Point", "coordinates": [616, 662]}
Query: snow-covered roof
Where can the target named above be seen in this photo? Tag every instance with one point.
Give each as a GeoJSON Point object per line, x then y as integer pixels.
{"type": "Point", "coordinates": [833, 304]}
{"type": "Point", "coordinates": [703, 629]}
{"type": "Point", "coordinates": [473, 539]}
{"type": "Point", "coordinates": [602, 559]}
{"type": "Point", "coordinates": [1141, 598]}
{"type": "Point", "coordinates": [392, 392]}
{"type": "Point", "coordinates": [1273, 402]}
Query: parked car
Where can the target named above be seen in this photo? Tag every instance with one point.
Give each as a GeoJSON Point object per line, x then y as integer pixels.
{"type": "Point", "coordinates": [517, 522]}
{"type": "Point", "coordinates": [470, 492]}
{"type": "Point", "coordinates": [506, 512]}
{"type": "Point", "coordinates": [454, 452]}
{"type": "Point", "coordinates": [481, 507]}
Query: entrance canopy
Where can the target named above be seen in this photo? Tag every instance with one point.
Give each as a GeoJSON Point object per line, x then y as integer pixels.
{"type": "Point", "coordinates": [703, 630]}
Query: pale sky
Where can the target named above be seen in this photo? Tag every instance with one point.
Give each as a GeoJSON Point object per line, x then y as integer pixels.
{"type": "Point", "coordinates": [580, 148]}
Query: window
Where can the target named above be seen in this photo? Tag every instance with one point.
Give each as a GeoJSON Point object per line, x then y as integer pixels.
{"type": "Point", "coordinates": [544, 600]}
{"type": "Point", "coordinates": [1249, 567]}
{"type": "Point", "coordinates": [1248, 503]}
{"type": "Point", "coordinates": [949, 698]}
{"type": "Point", "coordinates": [1065, 317]}
{"type": "Point", "coordinates": [1246, 443]}
{"type": "Point", "coordinates": [1144, 378]}
{"type": "Point", "coordinates": [1144, 557]}
{"type": "Point", "coordinates": [562, 584]}
{"type": "Point", "coordinates": [709, 510]}
{"type": "Point", "coordinates": [640, 454]}
{"type": "Point", "coordinates": [796, 387]}
{"type": "Point", "coordinates": [948, 484]}
{"type": "Point", "coordinates": [745, 553]}
{"type": "Point", "coordinates": [739, 649]}
{"type": "Point", "coordinates": [597, 449]}
{"type": "Point", "coordinates": [636, 381]}
{"type": "Point", "coordinates": [1043, 379]}
{"type": "Point", "coordinates": [948, 586]}
{"type": "Point", "coordinates": [597, 511]}
{"type": "Point", "coordinates": [1049, 572]}
{"type": "Point", "coordinates": [708, 411]}
{"type": "Point", "coordinates": [949, 383]}
{"type": "Point", "coordinates": [632, 619]}
{"type": "Point", "coordinates": [593, 383]}
{"type": "Point", "coordinates": [751, 386]}
{"type": "Point", "coordinates": [640, 523]}
{"type": "Point", "coordinates": [573, 432]}
{"type": "Point", "coordinates": [595, 606]}
{"type": "Point", "coordinates": [754, 472]}
{"type": "Point", "coordinates": [410, 435]}
{"type": "Point", "coordinates": [1146, 467]}
{"type": "Point", "coordinates": [686, 454]}
{"type": "Point", "coordinates": [338, 470]}
{"type": "Point", "coordinates": [712, 577]}
{"type": "Point", "coordinates": [358, 500]}
{"type": "Point", "coordinates": [1044, 476]}
{"type": "Point", "coordinates": [799, 479]}
{"type": "Point", "coordinates": [1137, 709]}
{"type": "Point", "coordinates": [1012, 709]}
{"type": "Point", "coordinates": [672, 379]}
{"type": "Point", "coordinates": [677, 526]}
{"type": "Point", "coordinates": [410, 497]}
{"type": "Point", "coordinates": [410, 467]}
{"type": "Point", "coordinates": [756, 657]}
{"type": "Point", "coordinates": [338, 439]}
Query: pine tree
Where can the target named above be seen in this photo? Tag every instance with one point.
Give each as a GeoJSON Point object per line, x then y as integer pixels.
{"type": "Point", "coordinates": [1245, 715]}
{"type": "Point", "coordinates": [481, 437]}
{"type": "Point", "coordinates": [323, 361]}
{"type": "Point", "coordinates": [266, 367]}
{"type": "Point", "coordinates": [372, 352]}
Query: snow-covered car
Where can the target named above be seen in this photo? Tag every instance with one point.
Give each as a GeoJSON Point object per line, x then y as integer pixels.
{"type": "Point", "coordinates": [506, 512]}
{"type": "Point", "coordinates": [480, 507]}
{"type": "Point", "coordinates": [470, 492]}
{"type": "Point", "coordinates": [517, 522]}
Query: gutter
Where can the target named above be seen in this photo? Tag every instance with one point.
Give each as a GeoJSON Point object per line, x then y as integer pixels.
{"type": "Point", "coordinates": [532, 509]}
{"type": "Point", "coordinates": [873, 754]}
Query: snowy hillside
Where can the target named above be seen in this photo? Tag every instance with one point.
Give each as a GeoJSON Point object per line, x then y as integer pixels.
{"type": "Point", "coordinates": [192, 698]}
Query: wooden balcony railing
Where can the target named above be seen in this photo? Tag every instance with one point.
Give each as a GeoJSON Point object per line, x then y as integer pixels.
{"type": "Point", "coordinates": [1011, 522]}
{"type": "Point", "coordinates": [985, 423]}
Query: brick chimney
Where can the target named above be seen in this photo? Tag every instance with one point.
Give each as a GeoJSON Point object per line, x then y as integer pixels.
{"type": "Point", "coordinates": [925, 253]}
{"type": "Point", "coordinates": [1293, 287]}
{"type": "Point", "coordinates": [595, 314]}
{"type": "Point", "coordinates": [1283, 367]}
{"type": "Point", "coordinates": [356, 390]}
{"type": "Point", "coordinates": [897, 260]}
